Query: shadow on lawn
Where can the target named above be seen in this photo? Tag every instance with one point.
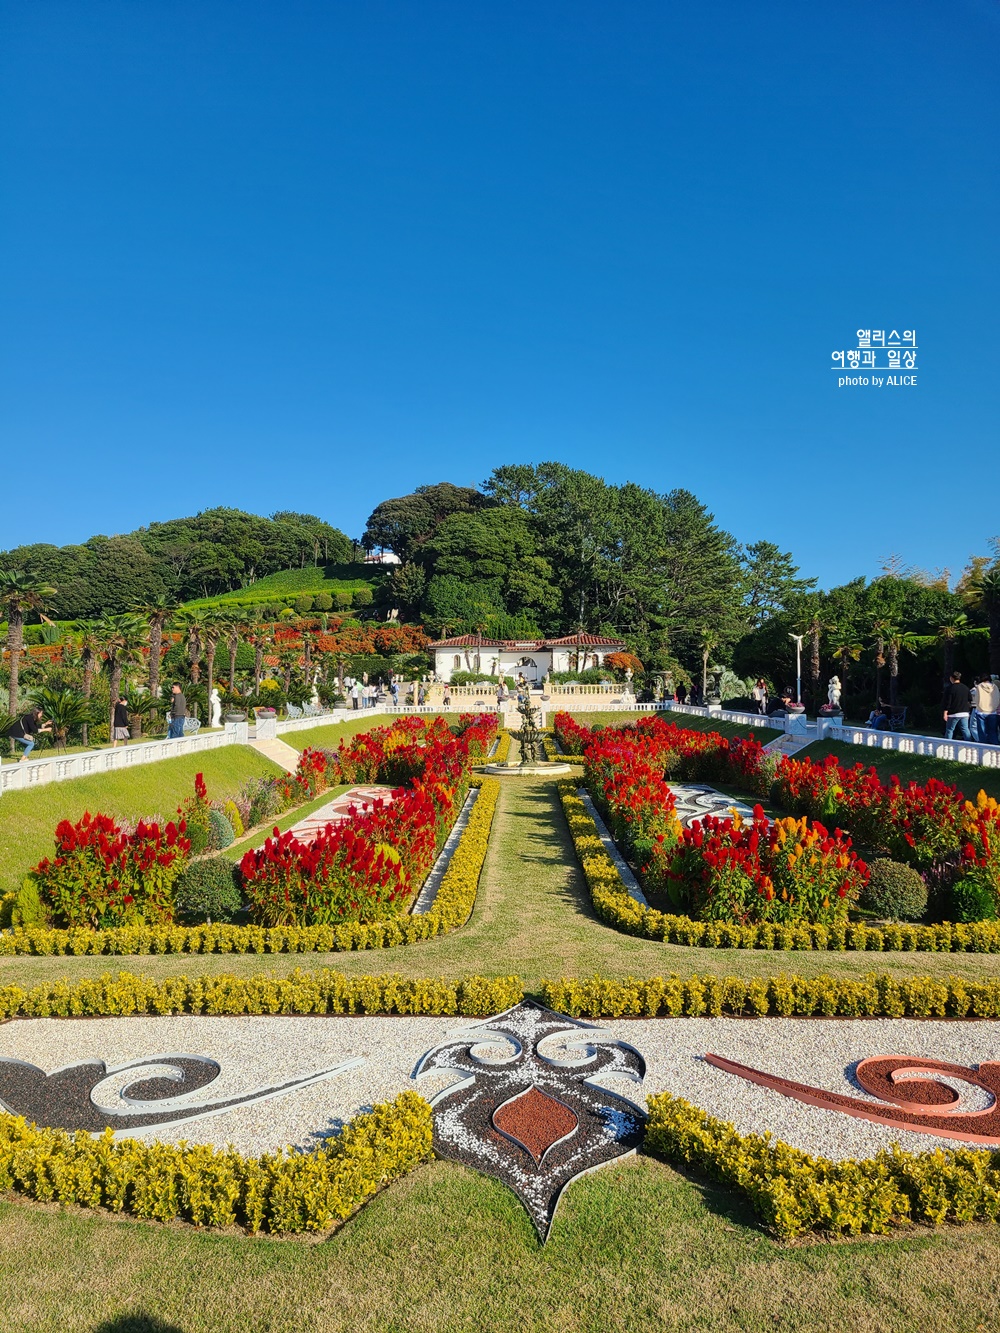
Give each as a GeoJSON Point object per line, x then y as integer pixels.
{"type": "Point", "coordinates": [138, 1321]}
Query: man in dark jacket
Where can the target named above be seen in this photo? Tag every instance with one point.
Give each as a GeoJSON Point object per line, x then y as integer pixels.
{"type": "Point", "coordinates": [955, 705]}
{"type": "Point", "coordinates": [178, 712]}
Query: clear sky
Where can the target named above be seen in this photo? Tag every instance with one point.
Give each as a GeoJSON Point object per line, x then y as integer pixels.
{"type": "Point", "coordinates": [307, 254]}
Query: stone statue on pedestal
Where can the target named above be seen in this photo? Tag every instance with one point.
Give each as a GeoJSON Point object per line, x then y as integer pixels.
{"type": "Point", "coordinates": [833, 691]}
{"type": "Point", "coordinates": [215, 708]}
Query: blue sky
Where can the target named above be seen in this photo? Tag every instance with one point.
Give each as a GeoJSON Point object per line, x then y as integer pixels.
{"type": "Point", "coordinates": [310, 254]}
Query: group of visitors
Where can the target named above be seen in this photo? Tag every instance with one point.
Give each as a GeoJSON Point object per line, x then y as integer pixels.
{"type": "Point", "coordinates": [363, 695]}
{"type": "Point", "coordinates": [972, 714]}
{"type": "Point", "coordinates": [30, 725]}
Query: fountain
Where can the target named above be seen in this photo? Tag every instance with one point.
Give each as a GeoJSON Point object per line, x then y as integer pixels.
{"type": "Point", "coordinates": [529, 740]}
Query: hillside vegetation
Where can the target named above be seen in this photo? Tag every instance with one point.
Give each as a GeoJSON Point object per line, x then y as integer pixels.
{"type": "Point", "coordinates": [286, 586]}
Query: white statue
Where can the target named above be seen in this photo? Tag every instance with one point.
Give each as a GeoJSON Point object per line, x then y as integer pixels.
{"type": "Point", "coordinates": [833, 691]}
{"type": "Point", "coordinates": [314, 697]}
{"type": "Point", "coordinates": [215, 706]}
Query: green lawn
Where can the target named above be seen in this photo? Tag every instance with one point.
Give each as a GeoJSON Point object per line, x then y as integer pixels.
{"type": "Point", "coordinates": [969, 778]}
{"type": "Point", "coordinates": [635, 1247]}
{"type": "Point", "coordinates": [28, 818]}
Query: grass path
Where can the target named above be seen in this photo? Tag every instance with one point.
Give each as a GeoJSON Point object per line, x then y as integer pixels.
{"type": "Point", "coordinates": [532, 917]}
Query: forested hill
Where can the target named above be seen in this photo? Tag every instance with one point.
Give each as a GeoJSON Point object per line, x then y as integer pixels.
{"type": "Point", "coordinates": [214, 552]}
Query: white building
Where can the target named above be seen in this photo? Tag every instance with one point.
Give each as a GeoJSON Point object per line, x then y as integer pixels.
{"type": "Point", "coordinates": [531, 658]}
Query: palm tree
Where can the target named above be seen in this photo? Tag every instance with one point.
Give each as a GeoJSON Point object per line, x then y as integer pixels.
{"type": "Point", "coordinates": [709, 643]}
{"type": "Point", "coordinates": [65, 709]}
{"type": "Point", "coordinates": [812, 626]}
{"type": "Point", "coordinates": [213, 627]}
{"type": "Point", "coordinates": [156, 611]}
{"type": "Point", "coordinates": [19, 594]}
{"type": "Point", "coordinates": [984, 594]}
{"type": "Point", "coordinates": [121, 637]}
{"type": "Point", "coordinates": [87, 648]}
{"type": "Point", "coordinates": [947, 635]}
{"type": "Point", "coordinates": [233, 628]}
{"type": "Point", "coordinates": [891, 640]}
{"type": "Point", "coordinates": [845, 652]}
{"type": "Point", "coordinates": [193, 623]}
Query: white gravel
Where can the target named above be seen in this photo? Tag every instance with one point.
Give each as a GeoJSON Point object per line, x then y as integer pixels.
{"type": "Point", "coordinates": [255, 1052]}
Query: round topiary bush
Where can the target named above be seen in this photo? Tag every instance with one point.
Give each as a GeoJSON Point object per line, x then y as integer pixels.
{"type": "Point", "coordinates": [303, 603]}
{"type": "Point", "coordinates": [322, 602]}
{"type": "Point", "coordinates": [206, 891]}
{"type": "Point", "coordinates": [895, 891]}
{"type": "Point", "coordinates": [220, 831]}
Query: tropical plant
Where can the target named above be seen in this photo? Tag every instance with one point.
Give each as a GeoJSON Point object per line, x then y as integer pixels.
{"type": "Point", "coordinates": [65, 709]}
{"type": "Point", "coordinates": [19, 595]}
{"type": "Point", "coordinates": [156, 612]}
{"type": "Point", "coordinates": [983, 592]}
{"type": "Point", "coordinates": [846, 651]}
{"type": "Point", "coordinates": [87, 648]}
{"type": "Point", "coordinates": [121, 637]}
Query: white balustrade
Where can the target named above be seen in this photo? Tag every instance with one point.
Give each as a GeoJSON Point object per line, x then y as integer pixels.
{"type": "Point", "coordinates": [905, 742]}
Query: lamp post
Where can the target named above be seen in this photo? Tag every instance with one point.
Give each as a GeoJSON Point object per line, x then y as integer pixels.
{"type": "Point", "coordinates": [798, 665]}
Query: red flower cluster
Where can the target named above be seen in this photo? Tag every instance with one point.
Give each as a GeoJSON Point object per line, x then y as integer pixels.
{"type": "Point", "coordinates": [751, 871]}
{"type": "Point", "coordinates": [366, 869]}
{"type": "Point", "coordinates": [103, 876]}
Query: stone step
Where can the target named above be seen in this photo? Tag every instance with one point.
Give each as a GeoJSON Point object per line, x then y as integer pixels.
{"type": "Point", "coordinates": [279, 752]}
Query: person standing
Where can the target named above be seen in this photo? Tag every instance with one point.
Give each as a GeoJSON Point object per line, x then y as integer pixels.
{"type": "Point", "coordinates": [955, 704]}
{"type": "Point", "coordinates": [983, 720]}
{"type": "Point", "coordinates": [356, 696]}
{"type": "Point", "coordinates": [759, 694]}
{"type": "Point", "coordinates": [394, 691]}
{"type": "Point", "coordinates": [26, 728]}
{"type": "Point", "coordinates": [682, 693]}
{"type": "Point", "coordinates": [178, 713]}
{"type": "Point", "coordinates": [120, 731]}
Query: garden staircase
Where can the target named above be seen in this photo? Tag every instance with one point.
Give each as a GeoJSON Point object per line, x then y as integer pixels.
{"type": "Point", "coordinates": [279, 752]}
{"type": "Point", "coordinates": [789, 744]}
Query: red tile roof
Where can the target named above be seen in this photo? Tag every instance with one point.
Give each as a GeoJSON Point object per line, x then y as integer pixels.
{"type": "Point", "coordinates": [528, 645]}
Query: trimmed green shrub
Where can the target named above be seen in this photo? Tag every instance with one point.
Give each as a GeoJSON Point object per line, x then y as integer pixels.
{"type": "Point", "coordinates": [27, 909]}
{"type": "Point", "coordinates": [322, 602]}
{"type": "Point", "coordinates": [343, 600]}
{"type": "Point", "coordinates": [220, 831]}
{"type": "Point", "coordinates": [362, 596]}
{"type": "Point", "coordinates": [206, 891]}
{"type": "Point", "coordinates": [973, 900]}
{"type": "Point", "coordinates": [303, 603]}
{"type": "Point", "coordinates": [895, 891]}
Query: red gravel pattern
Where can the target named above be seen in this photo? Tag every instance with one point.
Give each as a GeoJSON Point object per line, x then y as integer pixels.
{"type": "Point", "coordinates": [535, 1120]}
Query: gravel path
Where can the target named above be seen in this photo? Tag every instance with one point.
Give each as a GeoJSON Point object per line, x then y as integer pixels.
{"type": "Point", "coordinates": [256, 1052]}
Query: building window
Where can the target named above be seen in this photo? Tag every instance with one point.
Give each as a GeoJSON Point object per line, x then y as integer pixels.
{"type": "Point", "coordinates": [456, 664]}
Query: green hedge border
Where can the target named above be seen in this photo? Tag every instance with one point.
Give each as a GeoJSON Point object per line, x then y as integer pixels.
{"type": "Point", "coordinates": [616, 908]}
{"type": "Point", "coordinates": [284, 1192]}
{"type": "Point", "coordinates": [452, 907]}
{"type": "Point", "coordinates": [876, 995]}
{"type": "Point", "coordinates": [794, 1193]}
{"type": "Point", "coordinates": [321, 992]}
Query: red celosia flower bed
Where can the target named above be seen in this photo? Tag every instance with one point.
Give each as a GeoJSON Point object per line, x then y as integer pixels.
{"type": "Point", "coordinates": [751, 871]}
{"type": "Point", "coordinates": [367, 869]}
{"type": "Point", "coordinates": [103, 876]}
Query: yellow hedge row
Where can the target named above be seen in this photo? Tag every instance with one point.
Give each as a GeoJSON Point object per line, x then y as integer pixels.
{"type": "Point", "coordinates": [614, 906]}
{"type": "Point", "coordinates": [502, 751]}
{"type": "Point", "coordinates": [320, 992]}
{"type": "Point", "coordinates": [452, 907]}
{"type": "Point", "coordinates": [280, 1192]}
{"type": "Point", "coordinates": [873, 995]}
{"type": "Point", "coordinates": [794, 1193]}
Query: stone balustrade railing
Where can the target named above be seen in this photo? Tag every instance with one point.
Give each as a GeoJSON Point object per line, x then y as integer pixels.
{"type": "Point", "coordinates": [905, 742]}
{"type": "Point", "coordinates": [55, 767]}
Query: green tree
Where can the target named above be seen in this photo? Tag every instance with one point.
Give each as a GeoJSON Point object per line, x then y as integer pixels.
{"type": "Point", "coordinates": [19, 596]}
{"type": "Point", "coordinates": [404, 524]}
{"type": "Point", "coordinates": [770, 581]}
{"type": "Point", "coordinates": [156, 612]}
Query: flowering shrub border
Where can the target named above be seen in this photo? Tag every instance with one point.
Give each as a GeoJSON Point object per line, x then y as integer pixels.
{"type": "Point", "coordinates": [452, 907]}
{"type": "Point", "coordinates": [284, 1193]}
{"type": "Point", "coordinates": [616, 908]}
{"type": "Point", "coordinates": [794, 1193]}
